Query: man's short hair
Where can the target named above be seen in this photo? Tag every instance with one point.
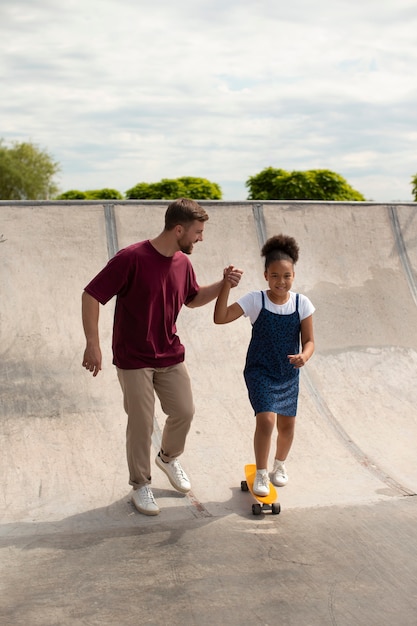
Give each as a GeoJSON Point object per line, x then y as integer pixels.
{"type": "Point", "coordinates": [184, 211]}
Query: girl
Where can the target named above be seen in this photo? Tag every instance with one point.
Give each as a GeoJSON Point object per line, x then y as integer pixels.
{"type": "Point", "coordinates": [279, 317]}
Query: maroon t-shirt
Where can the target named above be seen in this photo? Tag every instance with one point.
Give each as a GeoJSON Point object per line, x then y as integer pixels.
{"type": "Point", "coordinates": [150, 290]}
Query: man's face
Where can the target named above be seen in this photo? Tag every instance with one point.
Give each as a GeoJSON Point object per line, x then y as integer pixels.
{"type": "Point", "coordinates": [189, 235]}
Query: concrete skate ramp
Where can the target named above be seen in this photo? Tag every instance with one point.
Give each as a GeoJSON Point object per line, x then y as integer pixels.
{"type": "Point", "coordinates": [62, 432]}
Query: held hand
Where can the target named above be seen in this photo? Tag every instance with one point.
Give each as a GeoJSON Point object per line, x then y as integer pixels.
{"type": "Point", "coordinates": [298, 360]}
{"type": "Point", "coordinates": [92, 360]}
{"type": "Point", "coordinates": [233, 275]}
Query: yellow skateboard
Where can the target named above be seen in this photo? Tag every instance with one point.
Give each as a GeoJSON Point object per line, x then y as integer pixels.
{"type": "Point", "coordinates": [263, 503]}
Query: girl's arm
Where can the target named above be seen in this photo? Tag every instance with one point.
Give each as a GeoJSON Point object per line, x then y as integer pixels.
{"type": "Point", "coordinates": [207, 293]}
{"type": "Point", "coordinates": [224, 314]}
{"type": "Point", "coordinates": [307, 342]}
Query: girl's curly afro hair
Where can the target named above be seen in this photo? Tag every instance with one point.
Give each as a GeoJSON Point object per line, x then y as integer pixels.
{"type": "Point", "coordinates": [280, 248]}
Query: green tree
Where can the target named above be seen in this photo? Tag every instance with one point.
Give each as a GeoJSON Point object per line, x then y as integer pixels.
{"type": "Point", "coordinates": [414, 183]}
{"type": "Point", "coordinates": [200, 188]}
{"type": "Point", "coordinates": [72, 194]}
{"type": "Point", "coordinates": [262, 185]}
{"type": "Point", "coordinates": [277, 184]}
{"type": "Point", "coordinates": [91, 194]}
{"type": "Point", "coordinates": [103, 194]}
{"type": "Point", "coordinates": [171, 188]}
{"type": "Point", "coordinates": [26, 172]}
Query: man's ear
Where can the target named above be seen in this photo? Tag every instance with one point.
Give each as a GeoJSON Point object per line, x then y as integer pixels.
{"type": "Point", "coordinates": [179, 230]}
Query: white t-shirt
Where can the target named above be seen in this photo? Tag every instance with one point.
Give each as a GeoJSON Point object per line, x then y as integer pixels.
{"type": "Point", "coordinates": [251, 304]}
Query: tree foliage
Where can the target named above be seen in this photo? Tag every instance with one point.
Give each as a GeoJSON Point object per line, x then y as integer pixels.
{"type": "Point", "coordinates": [414, 184]}
{"type": "Point", "coordinates": [72, 194]}
{"type": "Point", "coordinates": [26, 172]}
{"type": "Point", "coordinates": [277, 184]}
{"type": "Point", "coordinates": [91, 194]}
{"type": "Point", "coordinates": [171, 188]}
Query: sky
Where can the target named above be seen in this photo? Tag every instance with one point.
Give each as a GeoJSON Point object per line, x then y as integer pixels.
{"type": "Point", "coordinates": [126, 91]}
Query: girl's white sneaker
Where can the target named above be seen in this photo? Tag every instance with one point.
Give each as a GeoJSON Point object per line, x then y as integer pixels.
{"type": "Point", "coordinates": [279, 475]}
{"type": "Point", "coordinates": [261, 483]}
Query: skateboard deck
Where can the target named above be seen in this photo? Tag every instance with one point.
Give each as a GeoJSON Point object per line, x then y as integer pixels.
{"type": "Point", "coordinates": [263, 503]}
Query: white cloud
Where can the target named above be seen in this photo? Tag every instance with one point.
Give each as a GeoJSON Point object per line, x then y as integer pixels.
{"type": "Point", "coordinates": [127, 91]}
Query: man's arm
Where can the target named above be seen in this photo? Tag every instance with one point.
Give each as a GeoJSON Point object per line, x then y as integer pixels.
{"type": "Point", "coordinates": [209, 292]}
{"type": "Point", "coordinates": [90, 314]}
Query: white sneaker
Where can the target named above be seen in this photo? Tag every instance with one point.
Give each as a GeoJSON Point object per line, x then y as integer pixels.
{"type": "Point", "coordinates": [144, 501]}
{"type": "Point", "coordinates": [261, 483]}
{"type": "Point", "coordinates": [279, 474]}
{"type": "Point", "coordinates": [177, 477]}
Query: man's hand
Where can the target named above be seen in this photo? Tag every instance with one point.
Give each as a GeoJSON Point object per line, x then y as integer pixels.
{"type": "Point", "coordinates": [233, 275]}
{"type": "Point", "coordinates": [90, 314]}
{"type": "Point", "coordinates": [92, 359]}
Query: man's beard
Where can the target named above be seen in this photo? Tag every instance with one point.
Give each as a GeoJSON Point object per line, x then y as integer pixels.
{"type": "Point", "coordinates": [187, 249]}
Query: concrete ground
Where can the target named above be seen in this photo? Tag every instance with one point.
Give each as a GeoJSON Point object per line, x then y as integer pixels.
{"type": "Point", "coordinates": [343, 551]}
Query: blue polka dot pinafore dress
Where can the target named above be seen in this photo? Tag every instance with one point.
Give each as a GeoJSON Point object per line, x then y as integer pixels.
{"type": "Point", "coordinates": [271, 380]}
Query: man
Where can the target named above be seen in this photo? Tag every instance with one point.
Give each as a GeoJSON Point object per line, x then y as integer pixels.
{"type": "Point", "coordinates": [152, 280]}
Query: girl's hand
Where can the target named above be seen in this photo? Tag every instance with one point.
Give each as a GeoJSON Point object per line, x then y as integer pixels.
{"type": "Point", "coordinates": [298, 360]}
{"type": "Point", "coordinates": [233, 275]}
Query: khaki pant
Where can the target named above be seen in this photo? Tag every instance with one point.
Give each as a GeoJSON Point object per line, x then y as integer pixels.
{"type": "Point", "coordinates": [173, 388]}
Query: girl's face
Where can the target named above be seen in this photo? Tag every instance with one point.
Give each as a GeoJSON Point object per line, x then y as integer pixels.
{"type": "Point", "coordinates": [280, 276]}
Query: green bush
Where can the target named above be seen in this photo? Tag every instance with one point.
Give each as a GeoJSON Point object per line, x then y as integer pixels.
{"type": "Point", "coordinates": [92, 194]}
{"type": "Point", "coordinates": [277, 184]}
{"type": "Point", "coordinates": [172, 188]}
{"type": "Point", "coordinates": [72, 194]}
{"type": "Point", "coordinates": [414, 184]}
{"type": "Point", "coordinates": [103, 194]}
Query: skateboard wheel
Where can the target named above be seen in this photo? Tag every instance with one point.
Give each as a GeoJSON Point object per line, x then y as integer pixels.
{"type": "Point", "coordinates": [276, 508]}
{"type": "Point", "coordinates": [256, 509]}
{"type": "Point", "coordinates": [244, 485]}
